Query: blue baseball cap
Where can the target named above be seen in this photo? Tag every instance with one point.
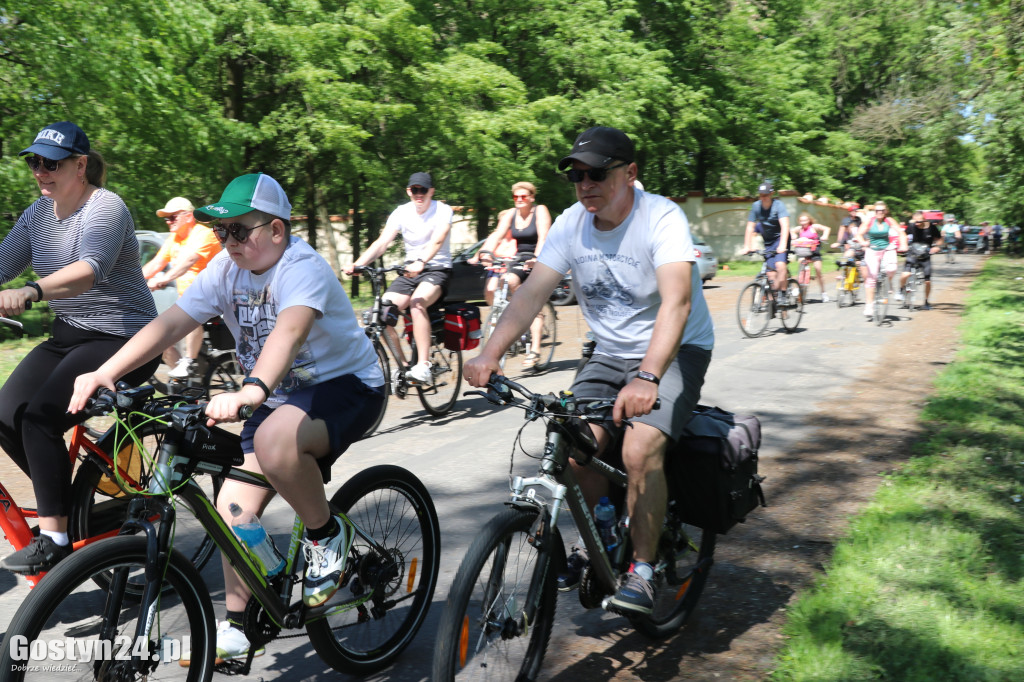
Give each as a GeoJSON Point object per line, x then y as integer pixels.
{"type": "Point", "coordinates": [59, 141]}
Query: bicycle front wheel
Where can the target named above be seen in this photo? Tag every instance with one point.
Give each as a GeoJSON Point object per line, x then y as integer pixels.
{"type": "Point", "coordinates": [545, 346]}
{"type": "Point", "coordinates": [382, 360]}
{"type": "Point", "coordinates": [753, 310]}
{"type": "Point", "coordinates": [881, 302]}
{"type": "Point", "coordinates": [793, 312]}
{"type": "Point", "coordinates": [99, 506]}
{"type": "Point", "coordinates": [483, 634]}
{"type": "Point", "coordinates": [445, 378]}
{"type": "Point", "coordinates": [399, 568]}
{"type": "Point", "coordinates": [68, 606]}
{"type": "Point", "coordinates": [492, 322]}
{"type": "Point", "coordinates": [224, 375]}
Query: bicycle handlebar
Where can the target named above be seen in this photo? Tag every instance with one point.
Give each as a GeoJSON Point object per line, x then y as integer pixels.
{"type": "Point", "coordinates": [141, 399]}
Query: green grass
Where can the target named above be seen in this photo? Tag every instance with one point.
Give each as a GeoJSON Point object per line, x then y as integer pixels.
{"type": "Point", "coordinates": [929, 583]}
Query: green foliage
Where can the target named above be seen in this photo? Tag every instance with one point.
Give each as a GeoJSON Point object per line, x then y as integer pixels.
{"type": "Point", "coordinates": [930, 581]}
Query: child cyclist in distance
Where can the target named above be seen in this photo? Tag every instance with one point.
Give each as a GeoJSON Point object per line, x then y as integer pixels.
{"type": "Point", "coordinates": [311, 373]}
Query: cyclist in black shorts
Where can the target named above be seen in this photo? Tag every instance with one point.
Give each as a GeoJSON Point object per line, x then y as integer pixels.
{"type": "Point", "coordinates": [425, 226]}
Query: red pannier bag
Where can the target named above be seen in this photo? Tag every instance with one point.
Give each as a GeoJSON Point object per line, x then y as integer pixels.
{"type": "Point", "coordinates": [462, 327]}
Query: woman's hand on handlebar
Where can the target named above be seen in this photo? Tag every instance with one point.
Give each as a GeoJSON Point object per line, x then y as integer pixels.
{"type": "Point", "coordinates": [86, 386]}
{"type": "Point", "coordinates": [636, 399]}
{"type": "Point", "coordinates": [16, 301]}
{"type": "Point", "coordinates": [478, 371]}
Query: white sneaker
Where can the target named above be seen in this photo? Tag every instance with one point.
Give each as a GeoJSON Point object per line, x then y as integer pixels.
{"type": "Point", "coordinates": [231, 645]}
{"type": "Point", "coordinates": [824, 298]}
{"type": "Point", "coordinates": [183, 369]}
{"type": "Point", "coordinates": [899, 295]}
{"type": "Point", "coordinates": [325, 564]}
{"type": "Point", "coordinates": [868, 312]}
{"type": "Point", "coordinates": [420, 373]}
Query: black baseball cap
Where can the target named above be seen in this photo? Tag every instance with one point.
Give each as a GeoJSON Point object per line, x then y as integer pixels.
{"type": "Point", "coordinates": [59, 141]}
{"type": "Point", "coordinates": [420, 180]}
{"type": "Point", "coordinates": [598, 147]}
{"type": "Point", "coordinates": [765, 187]}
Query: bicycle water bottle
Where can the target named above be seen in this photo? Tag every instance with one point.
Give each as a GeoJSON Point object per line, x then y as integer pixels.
{"type": "Point", "coordinates": [604, 518]}
{"type": "Point", "coordinates": [249, 530]}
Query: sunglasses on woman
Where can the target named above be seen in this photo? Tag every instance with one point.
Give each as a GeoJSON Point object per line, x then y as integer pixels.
{"type": "Point", "coordinates": [575, 175]}
{"type": "Point", "coordinates": [524, 197]}
{"type": "Point", "coordinates": [237, 230]}
{"type": "Point", "coordinates": [50, 165]}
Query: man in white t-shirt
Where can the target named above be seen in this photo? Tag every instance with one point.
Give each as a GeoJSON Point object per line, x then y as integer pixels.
{"type": "Point", "coordinates": [635, 276]}
{"type": "Point", "coordinates": [425, 226]}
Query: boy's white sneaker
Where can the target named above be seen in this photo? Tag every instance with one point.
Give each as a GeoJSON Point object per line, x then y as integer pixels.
{"type": "Point", "coordinates": [325, 564]}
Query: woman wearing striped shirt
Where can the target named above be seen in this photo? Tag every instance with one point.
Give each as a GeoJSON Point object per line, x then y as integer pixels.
{"type": "Point", "coordinates": [80, 239]}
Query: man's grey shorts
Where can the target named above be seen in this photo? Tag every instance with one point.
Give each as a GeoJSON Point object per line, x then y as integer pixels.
{"type": "Point", "coordinates": [679, 391]}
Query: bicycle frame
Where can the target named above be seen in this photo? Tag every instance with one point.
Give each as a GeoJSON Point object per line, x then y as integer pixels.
{"type": "Point", "coordinates": [13, 518]}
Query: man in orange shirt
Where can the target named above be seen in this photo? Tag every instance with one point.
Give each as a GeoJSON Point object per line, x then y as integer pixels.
{"type": "Point", "coordinates": [185, 254]}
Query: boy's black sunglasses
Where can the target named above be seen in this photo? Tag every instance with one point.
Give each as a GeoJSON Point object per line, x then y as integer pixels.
{"type": "Point", "coordinates": [237, 230]}
{"type": "Point", "coordinates": [596, 174]}
{"type": "Point", "coordinates": [50, 165]}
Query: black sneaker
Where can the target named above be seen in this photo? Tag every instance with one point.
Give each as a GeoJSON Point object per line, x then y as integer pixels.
{"type": "Point", "coordinates": [926, 306]}
{"type": "Point", "coordinates": [635, 595]}
{"type": "Point", "coordinates": [574, 565]}
{"type": "Point", "coordinates": [41, 555]}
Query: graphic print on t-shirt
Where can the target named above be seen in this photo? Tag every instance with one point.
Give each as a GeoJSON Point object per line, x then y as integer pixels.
{"type": "Point", "coordinates": [618, 300]}
{"type": "Point", "coordinates": [256, 314]}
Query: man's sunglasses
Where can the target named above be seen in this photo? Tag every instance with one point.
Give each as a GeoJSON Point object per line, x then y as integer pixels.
{"type": "Point", "coordinates": [50, 165]}
{"type": "Point", "coordinates": [237, 230]}
{"type": "Point", "coordinates": [418, 190]}
{"type": "Point", "coordinates": [575, 175]}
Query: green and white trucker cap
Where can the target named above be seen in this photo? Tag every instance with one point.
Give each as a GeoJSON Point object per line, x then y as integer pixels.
{"type": "Point", "coordinates": [253, 192]}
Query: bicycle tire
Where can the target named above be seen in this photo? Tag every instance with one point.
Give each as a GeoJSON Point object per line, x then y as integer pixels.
{"type": "Point", "coordinates": [685, 557]}
{"type": "Point", "coordinates": [492, 322]}
{"type": "Point", "coordinates": [881, 306]}
{"type": "Point", "coordinates": [545, 348]}
{"type": "Point", "coordinates": [224, 375]}
{"type": "Point", "coordinates": [791, 315]}
{"type": "Point", "coordinates": [445, 378]}
{"type": "Point", "coordinates": [502, 651]}
{"type": "Point", "coordinates": [753, 310]}
{"type": "Point", "coordinates": [395, 507]}
{"type": "Point", "coordinates": [908, 292]}
{"type": "Point", "coordinates": [97, 507]}
{"type": "Point", "coordinates": [66, 603]}
{"type": "Point", "coordinates": [385, 367]}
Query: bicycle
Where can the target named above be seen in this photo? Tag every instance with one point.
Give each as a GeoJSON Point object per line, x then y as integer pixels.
{"type": "Point", "coordinates": [757, 303]}
{"type": "Point", "coordinates": [803, 248]}
{"type": "Point", "coordinates": [501, 606]}
{"type": "Point", "coordinates": [439, 396]}
{"type": "Point", "coordinates": [915, 282]}
{"type": "Point", "coordinates": [391, 571]}
{"type": "Point", "coordinates": [98, 504]}
{"type": "Point", "coordinates": [881, 302]}
{"type": "Point", "coordinates": [217, 369]}
{"type": "Point", "coordinates": [950, 249]}
{"type": "Point", "coordinates": [525, 344]}
{"type": "Point", "coordinates": [850, 281]}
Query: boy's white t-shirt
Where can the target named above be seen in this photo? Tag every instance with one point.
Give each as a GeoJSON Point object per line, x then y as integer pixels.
{"type": "Point", "coordinates": [250, 304]}
{"type": "Point", "coordinates": [418, 231]}
{"type": "Point", "coordinates": [613, 272]}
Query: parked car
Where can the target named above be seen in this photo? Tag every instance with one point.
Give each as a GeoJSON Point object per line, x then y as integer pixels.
{"type": "Point", "coordinates": [707, 262]}
{"type": "Point", "coordinates": [970, 233]}
{"type": "Point", "coordinates": [467, 280]}
{"type": "Point", "coordinates": [149, 244]}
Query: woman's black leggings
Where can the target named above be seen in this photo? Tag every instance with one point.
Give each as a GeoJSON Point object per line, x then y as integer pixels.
{"type": "Point", "coordinates": [34, 402]}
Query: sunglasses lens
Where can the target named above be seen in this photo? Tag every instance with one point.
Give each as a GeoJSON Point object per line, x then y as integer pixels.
{"type": "Point", "coordinates": [35, 161]}
{"type": "Point", "coordinates": [596, 174]}
{"type": "Point", "coordinates": [418, 190]}
{"type": "Point", "coordinates": [237, 230]}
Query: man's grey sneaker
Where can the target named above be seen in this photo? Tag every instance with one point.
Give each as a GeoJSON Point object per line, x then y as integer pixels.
{"type": "Point", "coordinates": [635, 595]}
{"type": "Point", "coordinates": [41, 555]}
{"type": "Point", "coordinates": [575, 563]}
{"type": "Point", "coordinates": [325, 563]}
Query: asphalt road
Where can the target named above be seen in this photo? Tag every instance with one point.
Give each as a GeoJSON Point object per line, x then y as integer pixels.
{"type": "Point", "coordinates": [464, 460]}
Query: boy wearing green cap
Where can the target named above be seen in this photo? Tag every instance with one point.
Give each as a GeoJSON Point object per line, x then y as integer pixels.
{"type": "Point", "coordinates": [312, 374]}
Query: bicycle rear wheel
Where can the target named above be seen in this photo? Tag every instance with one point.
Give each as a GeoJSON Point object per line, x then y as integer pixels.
{"type": "Point", "coordinates": [224, 375]}
{"type": "Point", "coordinates": [68, 604]}
{"type": "Point", "coordinates": [445, 378]}
{"type": "Point", "coordinates": [99, 506]}
{"type": "Point", "coordinates": [395, 509]}
{"type": "Point", "coordinates": [753, 310]}
{"type": "Point", "coordinates": [685, 557]}
{"type": "Point", "coordinates": [792, 313]}
{"type": "Point", "coordinates": [545, 347]}
{"type": "Point", "coordinates": [382, 360]}
{"type": "Point", "coordinates": [482, 634]}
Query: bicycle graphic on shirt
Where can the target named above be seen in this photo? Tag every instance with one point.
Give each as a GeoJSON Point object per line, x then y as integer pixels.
{"type": "Point", "coordinates": [609, 289]}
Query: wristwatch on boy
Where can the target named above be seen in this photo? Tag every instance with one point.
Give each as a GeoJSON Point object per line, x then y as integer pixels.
{"type": "Point", "coordinates": [256, 381]}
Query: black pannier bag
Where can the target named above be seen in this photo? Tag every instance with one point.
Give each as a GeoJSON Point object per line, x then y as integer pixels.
{"type": "Point", "coordinates": [712, 470]}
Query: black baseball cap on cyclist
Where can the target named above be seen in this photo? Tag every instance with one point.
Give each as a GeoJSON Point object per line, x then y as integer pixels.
{"type": "Point", "coordinates": [598, 147]}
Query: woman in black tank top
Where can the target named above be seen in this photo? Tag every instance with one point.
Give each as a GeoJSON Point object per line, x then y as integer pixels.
{"type": "Point", "coordinates": [528, 223]}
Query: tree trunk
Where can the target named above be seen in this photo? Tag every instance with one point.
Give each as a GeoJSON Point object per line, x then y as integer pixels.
{"type": "Point", "coordinates": [483, 219]}
{"type": "Point", "coordinates": [311, 215]}
{"type": "Point", "coordinates": [356, 231]}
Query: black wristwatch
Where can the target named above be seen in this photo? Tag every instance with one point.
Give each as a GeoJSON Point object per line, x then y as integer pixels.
{"type": "Point", "coordinates": [647, 376]}
{"type": "Point", "coordinates": [256, 381]}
